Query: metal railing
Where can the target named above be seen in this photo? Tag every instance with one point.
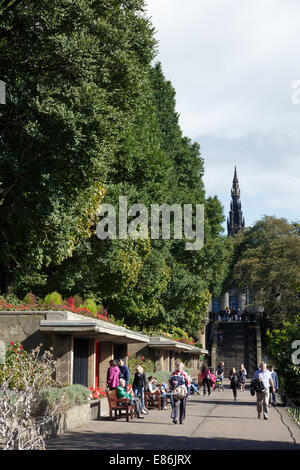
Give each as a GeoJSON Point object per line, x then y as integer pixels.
{"type": "Point", "coordinates": [292, 409]}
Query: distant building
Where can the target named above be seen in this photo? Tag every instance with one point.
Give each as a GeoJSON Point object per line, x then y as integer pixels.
{"type": "Point", "coordinates": [235, 222]}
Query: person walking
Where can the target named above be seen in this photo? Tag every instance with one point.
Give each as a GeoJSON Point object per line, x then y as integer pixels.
{"type": "Point", "coordinates": [263, 375]}
{"type": "Point", "coordinates": [124, 373]}
{"type": "Point", "coordinates": [139, 386]}
{"type": "Point", "coordinates": [234, 382]}
{"type": "Point", "coordinates": [113, 375]}
{"type": "Point", "coordinates": [273, 394]}
{"type": "Point", "coordinates": [242, 377]}
{"type": "Point", "coordinates": [206, 380]}
{"type": "Point", "coordinates": [179, 381]}
{"type": "Point", "coordinates": [220, 370]}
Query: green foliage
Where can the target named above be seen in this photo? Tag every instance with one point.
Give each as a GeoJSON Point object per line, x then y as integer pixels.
{"type": "Point", "coordinates": [77, 394]}
{"type": "Point", "coordinates": [91, 305]}
{"type": "Point", "coordinates": [53, 299]}
{"type": "Point", "coordinates": [162, 376]}
{"type": "Point", "coordinates": [140, 360]}
{"type": "Point", "coordinates": [280, 351]}
{"type": "Point", "coordinates": [65, 397]}
{"type": "Point", "coordinates": [29, 299]}
{"type": "Point", "coordinates": [267, 261]}
{"type": "Point", "coordinates": [38, 368]}
{"type": "Point", "coordinates": [74, 71]}
{"type": "Point", "coordinates": [95, 120]}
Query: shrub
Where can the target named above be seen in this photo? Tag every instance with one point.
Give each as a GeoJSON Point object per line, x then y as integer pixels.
{"type": "Point", "coordinates": [20, 364]}
{"type": "Point", "coordinates": [30, 299]}
{"type": "Point", "coordinates": [162, 376]}
{"type": "Point", "coordinates": [77, 300]}
{"type": "Point", "coordinates": [135, 361]}
{"type": "Point", "coordinates": [91, 305]}
{"type": "Point", "coordinates": [53, 299]}
{"type": "Point", "coordinates": [70, 302]}
{"type": "Point", "coordinates": [64, 397]}
{"type": "Point", "coordinates": [78, 394]}
{"type": "Point", "coordinates": [22, 378]}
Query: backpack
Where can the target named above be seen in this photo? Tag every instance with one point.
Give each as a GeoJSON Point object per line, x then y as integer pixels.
{"type": "Point", "coordinates": [256, 386]}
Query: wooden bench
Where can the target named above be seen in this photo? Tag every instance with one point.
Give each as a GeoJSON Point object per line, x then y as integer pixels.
{"type": "Point", "coordinates": [116, 408]}
{"type": "Point", "coordinates": [148, 396]}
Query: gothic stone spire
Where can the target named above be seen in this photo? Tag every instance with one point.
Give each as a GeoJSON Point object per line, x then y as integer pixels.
{"type": "Point", "coordinates": [235, 222]}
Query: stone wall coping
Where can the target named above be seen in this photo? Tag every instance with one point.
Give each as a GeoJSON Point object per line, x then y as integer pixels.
{"type": "Point", "coordinates": [77, 322]}
{"type": "Point", "coordinates": [64, 320]}
{"type": "Point", "coordinates": [162, 342]}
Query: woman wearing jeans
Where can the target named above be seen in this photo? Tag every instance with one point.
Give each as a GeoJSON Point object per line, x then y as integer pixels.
{"type": "Point", "coordinates": [139, 386]}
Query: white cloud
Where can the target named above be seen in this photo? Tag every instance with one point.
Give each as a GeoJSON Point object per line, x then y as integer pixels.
{"type": "Point", "coordinates": [233, 65]}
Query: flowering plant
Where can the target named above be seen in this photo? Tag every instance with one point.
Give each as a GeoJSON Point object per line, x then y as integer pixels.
{"type": "Point", "coordinates": [97, 392]}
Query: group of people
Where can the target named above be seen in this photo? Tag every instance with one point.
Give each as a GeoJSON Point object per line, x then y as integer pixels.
{"type": "Point", "coordinates": [235, 315]}
{"type": "Point", "coordinates": [118, 379]}
{"type": "Point", "coordinates": [180, 386]}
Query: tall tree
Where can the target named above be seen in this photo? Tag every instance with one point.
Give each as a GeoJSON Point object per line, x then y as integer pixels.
{"type": "Point", "coordinates": [267, 261]}
{"type": "Point", "coordinates": [73, 70]}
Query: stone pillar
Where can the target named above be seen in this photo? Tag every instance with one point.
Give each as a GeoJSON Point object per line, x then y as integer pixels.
{"type": "Point", "coordinates": [159, 360]}
{"type": "Point", "coordinates": [202, 333]}
{"type": "Point", "coordinates": [91, 362]}
{"type": "Point", "coordinates": [225, 302]}
{"type": "Point", "coordinates": [166, 360]}
{"type": "Point", "coordinates": [172, 353]}
{"type": "Point", "coordinates": [105, 355]}
{"type": "Point", "coordinates": [63, 352]}
{"type": "Point", "coordinates": [242, 301]}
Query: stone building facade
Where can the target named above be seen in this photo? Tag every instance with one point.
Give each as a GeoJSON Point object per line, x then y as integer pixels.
{"type": "Point", "coordinates": [83, 346]}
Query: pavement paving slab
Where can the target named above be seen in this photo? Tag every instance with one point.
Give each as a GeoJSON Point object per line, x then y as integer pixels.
{"type": "Point", "coordinates": [215, 422]}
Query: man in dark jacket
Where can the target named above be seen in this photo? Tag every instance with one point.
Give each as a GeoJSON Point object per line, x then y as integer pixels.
{"type": "Point", "coordinates": [124, 373]}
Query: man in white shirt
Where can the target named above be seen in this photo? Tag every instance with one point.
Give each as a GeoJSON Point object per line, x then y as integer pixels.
{"type": "Point", "coordinates": [262, 398]}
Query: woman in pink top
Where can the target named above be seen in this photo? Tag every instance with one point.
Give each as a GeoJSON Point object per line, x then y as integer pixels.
{"type": "Point", "coordinates": [113, 376]}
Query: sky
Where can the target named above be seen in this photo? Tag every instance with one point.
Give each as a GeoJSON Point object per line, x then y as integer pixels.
{"type": "Point", "coordinates": [236, 72]}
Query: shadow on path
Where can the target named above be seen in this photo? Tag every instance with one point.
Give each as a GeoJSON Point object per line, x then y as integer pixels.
{"type": "Point", "coordinates": [104, 441]}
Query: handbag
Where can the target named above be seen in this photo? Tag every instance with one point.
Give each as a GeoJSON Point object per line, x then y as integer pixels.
{"type": "Point", "coordinates": [179, 392]}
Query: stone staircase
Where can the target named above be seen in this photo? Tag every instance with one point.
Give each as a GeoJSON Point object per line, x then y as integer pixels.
{"type": "Point", "coordinates": [239, 346]}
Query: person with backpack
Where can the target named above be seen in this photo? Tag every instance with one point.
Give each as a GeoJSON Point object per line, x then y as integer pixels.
{"type": "Point", "coordinates": [234, 382]}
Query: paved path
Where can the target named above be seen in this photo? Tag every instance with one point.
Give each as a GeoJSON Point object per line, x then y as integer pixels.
{"type": "Point", "coordinates": [215, 422]}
